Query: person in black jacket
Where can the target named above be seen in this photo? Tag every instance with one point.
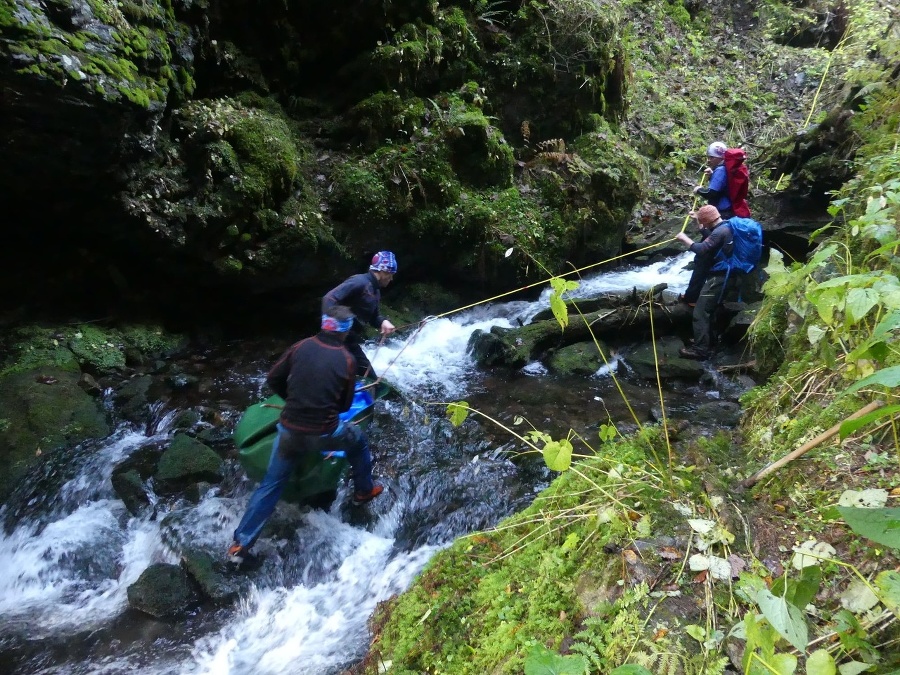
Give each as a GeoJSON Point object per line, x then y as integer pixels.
{"type": "Point", "coordinates": [362, 294]}
{"type": "Point", "coordinates": [720, 238]}
{"type": "Point", "coordinates": [316, 377]}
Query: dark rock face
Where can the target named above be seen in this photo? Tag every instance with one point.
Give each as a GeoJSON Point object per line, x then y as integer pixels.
{"type": "Point", "coordinates": [317, 135]}
{"type": "Point", "coordinates": [162, 590]}
{"type": "Point", "coordinates": [84, 85]}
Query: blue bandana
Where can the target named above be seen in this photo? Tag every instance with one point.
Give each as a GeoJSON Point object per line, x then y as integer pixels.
{"type": "Point", "coordinates": [329, 323]}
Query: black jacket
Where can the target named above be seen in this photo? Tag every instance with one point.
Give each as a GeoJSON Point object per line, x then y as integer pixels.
{"type": "Point", "coordinates": [720, 238]}
{"type": "Point", "coordinates": [362, 294]}
{"type": "Point", "coordinates": [316, 378]}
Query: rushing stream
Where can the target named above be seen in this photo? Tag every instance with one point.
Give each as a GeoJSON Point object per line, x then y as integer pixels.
{"type": "Point", "coordinates": [73, 549]}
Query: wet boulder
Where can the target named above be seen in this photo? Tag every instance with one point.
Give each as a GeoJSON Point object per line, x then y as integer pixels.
{"type": "Point", "coordinates": [582, 358]}
{"type": "Point", "coordinates": [184, 464]}
{"type": "Point", "coordinates": [129, 478]}
{"type": "Point", "coordinates": [718, 414]}
{"type": "Point", "coordinates": [644, 360]}
{"type": "Point", "coordinates": [203, 570]}
{"type": "Point", "coordinates": [40, 410]}
{"type": "Point", "coordinates": [162, 590]}
{"type": "Point", "coordinates": [131, 398]}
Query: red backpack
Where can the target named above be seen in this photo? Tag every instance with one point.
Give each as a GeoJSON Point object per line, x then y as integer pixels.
{"type": "Point", "coordinates": [738, 181]}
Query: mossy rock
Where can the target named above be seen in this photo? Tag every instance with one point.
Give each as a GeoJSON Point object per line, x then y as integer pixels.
{"type": "Point", "coordinates": [132, 398]}
{"type": "Point", "coordinates": [578, 359]}
{"type": "Point", "coordinates": [203, 570]}
{"type": "Point", "coordinates": [186, 462]}
{"type": "Point", "coordinates": [42, 409]}
{"type": "Point", "coordinates": [162, 590]}
{"type": "Point", "coordinates": [664, 359]}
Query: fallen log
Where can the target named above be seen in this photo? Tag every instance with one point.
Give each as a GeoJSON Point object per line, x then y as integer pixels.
{"type": "Point", "coordinates": [515, 347]}
{"type": "Point", "coordinates": [809, 445]}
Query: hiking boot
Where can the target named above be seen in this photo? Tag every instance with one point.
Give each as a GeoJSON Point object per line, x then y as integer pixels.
{"type": "Point", "coordinates": [360, 498]}
{"type": "Point", "coordinates": [693, 353]}
{"type": "Point", "coordinates": [239, 555]}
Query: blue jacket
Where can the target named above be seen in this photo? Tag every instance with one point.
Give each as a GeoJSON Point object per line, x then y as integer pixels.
{"type": "Point", "coordinates": [717, 192]}
{"type": "Point", "coordinates": [362, 294]}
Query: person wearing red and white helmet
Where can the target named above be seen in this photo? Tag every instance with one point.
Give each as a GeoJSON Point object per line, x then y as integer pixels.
{"type": "Point", "coordinates": [716, 193]}
{"type": "Point", "coordinates": [362, 294]}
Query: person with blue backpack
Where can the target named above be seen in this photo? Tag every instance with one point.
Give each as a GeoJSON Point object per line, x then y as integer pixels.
{"type": "Point", "coordinates": [735, 248]}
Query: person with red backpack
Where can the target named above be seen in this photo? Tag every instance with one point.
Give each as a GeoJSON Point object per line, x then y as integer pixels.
{"type": "Point", "coordinates": [729, 181]}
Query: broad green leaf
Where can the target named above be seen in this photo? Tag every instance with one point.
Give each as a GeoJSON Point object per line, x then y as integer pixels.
{"type": "Point", "coordinates": [873, 498]}
{"type": "Point", "coordinates": [560, 311]}
{"type": "Point", "coordinates": [858, 597]}
{"type": "Point", "coordinates": [859, 302]}
{"type": "Point", "coordinates": [558, 455]}
{"type": "Point", "coordinates": [815, 334]}
{"type": "Point", "coordinates": [748, 585]}
{"type": "Point", "coordinates": [820, 663]}
{"type": "Point", "coordinates": [889, 377]}
{"type": "Point", "coordinates": [850, 427]}
{"type": "Point", "coordinates": [785, 618]}
{"type": "Point", "coordinates": [696, 632]}
{"type": "Point", "coordinates": [630, 669]}
{"type": "Point", "coordinates": [825, 302]}
{"type": "Point", "coordinates": [888, 585]}
{"type": "Point", "coordinates": [850, 281]}
{"type": "Point", "coordinates": [799, 592]}
{"type": "Point", "coordinates": [887, 324]}
{"type": "Point", "coordinates": [541, 661]}
{"type": "Point", "coordinates": [879, 525]}
{"type": "Point", "coordinates": [854, 668]}
{"type": "Point", "coordinates": [457, 412]}
{"type": "Point", "coordinates": [811, 552]}
{"type": "Point", "coordinates": [784, 664]}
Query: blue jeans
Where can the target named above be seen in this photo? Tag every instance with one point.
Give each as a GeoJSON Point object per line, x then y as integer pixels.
{"type": "Point", "coordinates": [285, 452]}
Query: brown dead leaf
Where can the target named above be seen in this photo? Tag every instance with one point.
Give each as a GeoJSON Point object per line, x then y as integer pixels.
{"type": "Point", "coordinates": [562, 615]}
{"type": "Point", "coordinates": [669, 553]}
{"type": "Point", "coordinates": [661, 633]}
{"type": "Point", "coordinates": [737, 565]}
{"type": "Point", "coordinates": [630, 556]}
{"type": "Point", "coordinates": [701, 577]}
{"type": "Point", "coordinates": [895, 492]}
{"type": "Point", "coordinates": [633, 515]}
{"type": "Point", "coordinates": [46, 379]}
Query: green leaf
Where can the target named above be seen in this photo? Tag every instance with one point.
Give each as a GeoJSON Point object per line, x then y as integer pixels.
{"type": "Point", "coordinates": [696, 632]}
{"type": "Point", "coordinates": [820, 663]}
{"type": "Point", "coordinates": [879, 525]}
{"type": "Point", "coordinates": [814, 334]}
{"type": "Point", "coordinates": [802, 591]}
{"type": "Point", "coordinates": [785, 618]}
{"type": "Point", "coordinates": [889, 377]}
{"type": "Point", "coordinates": [851, 426]}
{"type": "Point", "coordinates": [457, 412]}
{"type": "Point", "coordinates": [541, 661]}
{"type": "Point", "coordinates": [560, 311]}
{"type": "Point", "coordinates": [859, 302]}
{"type": "Point", "coordinates": [854, 668]}
{"type": "Point", "coordinates": [558, 455]}
{"type": "Point", "coordinates": [784, 664]}
{"type": "Point", "coordinates": [888, 584]}
{"type": "Point", "coordinates": [630, 669]}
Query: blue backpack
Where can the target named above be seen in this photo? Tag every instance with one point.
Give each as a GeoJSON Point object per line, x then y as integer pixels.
{"type": "Point", "coordinates": [747, 249]}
